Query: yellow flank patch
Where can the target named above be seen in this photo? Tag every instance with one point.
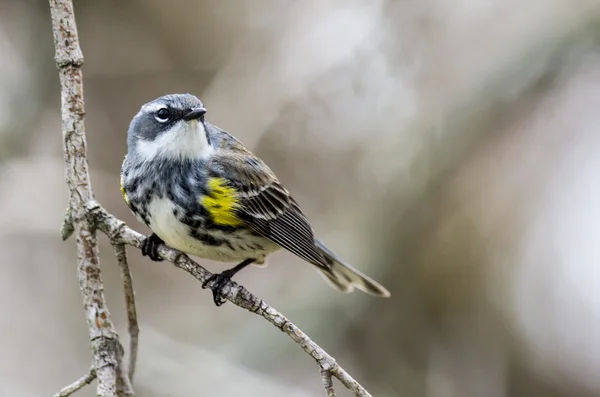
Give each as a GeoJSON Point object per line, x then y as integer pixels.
{"type": "Point", "coordinates": [123, 192]}
{"type": "Point", "coordinates": [221, 202]}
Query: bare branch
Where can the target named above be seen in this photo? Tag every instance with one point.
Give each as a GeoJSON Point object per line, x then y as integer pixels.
{"type": "Point", "coordinates": [68, 56]}
{"type": "Point", "coordinates": [119, 233]}
{"type": "Point", "coordinates": [124, 386]}
{"type": "Point", "coordinates": [133, 327]}
{"type": "Point", "coordinates": [78, 384]}
{"type": "Point", "coordinates": [327, 383]}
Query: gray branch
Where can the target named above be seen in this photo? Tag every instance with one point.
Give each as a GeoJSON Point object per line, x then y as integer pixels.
{"type": "Point", "coordinates": [327, 383]}
{"type": "Point", "coordinates": [78, 384]}
{"type": "Point", "coordinates": [84, 216]}
{"type": "Point", "coordinates": [132, 321]}
{"type": "Point", "coordinates": [104, 340]}
{"type": "Point", "coordinates": [124, 386]}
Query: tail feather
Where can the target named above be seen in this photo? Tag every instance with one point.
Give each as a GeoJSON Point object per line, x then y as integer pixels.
{"type": "Point", "coordinates": [344, 277]}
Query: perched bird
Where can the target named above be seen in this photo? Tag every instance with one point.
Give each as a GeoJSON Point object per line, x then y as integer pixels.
{"type": "Point", "coordinates": [202, 192]}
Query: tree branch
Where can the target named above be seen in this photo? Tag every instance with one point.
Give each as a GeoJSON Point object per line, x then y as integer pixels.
{"type": "Point", "coordinates": [103, 337]}
{"type": "Point", "coordinates": [84, 216]}
{"type": "Point", "coordinates": [327, 383]}
{"type": "Point", "coordinates": [133, 327]}
{"type": "Point", "coordinates": [124, 386]}
{"type": "Point", "coordinates": [78, 384]}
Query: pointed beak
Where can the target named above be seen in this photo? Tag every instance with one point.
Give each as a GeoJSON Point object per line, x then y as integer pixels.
{"type": "Point", "coordinates": [195, 114]}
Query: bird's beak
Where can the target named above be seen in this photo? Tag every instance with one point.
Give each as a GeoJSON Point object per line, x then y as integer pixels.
{"type": "Point", "coordinates": [194, 114]}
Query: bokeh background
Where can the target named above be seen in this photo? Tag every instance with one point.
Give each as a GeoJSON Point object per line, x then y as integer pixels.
{"type": "Point", "coordinates": [450, 149]}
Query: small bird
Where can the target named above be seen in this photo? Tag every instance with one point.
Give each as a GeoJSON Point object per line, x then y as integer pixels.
{"type": "Point", "coordinates": [204, 193]}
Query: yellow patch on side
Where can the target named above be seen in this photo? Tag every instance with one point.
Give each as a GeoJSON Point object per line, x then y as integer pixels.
{"type": "Point", "coordinates": [123, 192]}
{"type": "Point", "coordinates": [221, 202]}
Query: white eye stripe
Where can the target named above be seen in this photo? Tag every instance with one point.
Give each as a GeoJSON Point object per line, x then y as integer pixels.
{"type": "Point", "coordinates": [153, 107]}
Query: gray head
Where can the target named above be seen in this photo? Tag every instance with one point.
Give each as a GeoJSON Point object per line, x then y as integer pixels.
{"type": "Point", "coordinates": [171, 126]}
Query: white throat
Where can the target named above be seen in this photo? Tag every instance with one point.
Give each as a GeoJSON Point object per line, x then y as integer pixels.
{"type": "Point", "coordinates": [185, 140]}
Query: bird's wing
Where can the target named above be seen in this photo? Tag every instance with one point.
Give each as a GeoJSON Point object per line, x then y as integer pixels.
{"type": "Point", "coordinates": [265, 206]}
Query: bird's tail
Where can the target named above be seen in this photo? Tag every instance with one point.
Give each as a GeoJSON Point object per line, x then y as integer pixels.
{"type": "Point", "coordinates": [344, 277]}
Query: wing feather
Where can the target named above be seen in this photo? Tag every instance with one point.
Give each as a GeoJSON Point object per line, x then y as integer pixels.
{"type": "Point", "coordinates": [266, 206]}
{"type": "Point", "coordinates": [285, 232]}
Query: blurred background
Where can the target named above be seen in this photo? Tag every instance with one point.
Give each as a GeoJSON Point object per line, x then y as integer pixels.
{"type": "Point", "coordinates": [450, 149]}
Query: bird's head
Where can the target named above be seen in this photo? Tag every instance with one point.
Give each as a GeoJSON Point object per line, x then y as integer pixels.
{"type": "Point", "coordinates": [171, 126]}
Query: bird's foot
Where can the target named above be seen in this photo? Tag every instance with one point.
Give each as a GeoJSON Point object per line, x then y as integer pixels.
{"type": "Point", "coordinates": [150, 247]}
{"type": "Point", "coordinates": [217, 283]}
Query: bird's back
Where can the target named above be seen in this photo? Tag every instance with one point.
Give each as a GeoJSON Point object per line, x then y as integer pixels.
{"type": "Point", "coordinates": [222, 140]}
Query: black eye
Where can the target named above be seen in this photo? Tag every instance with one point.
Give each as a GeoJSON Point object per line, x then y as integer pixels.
{"type": "Point", "coordinates": [163, 115]}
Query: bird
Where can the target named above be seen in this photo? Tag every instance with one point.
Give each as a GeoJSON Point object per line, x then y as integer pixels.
{"type": "Point", "coordinates": [202, 192]}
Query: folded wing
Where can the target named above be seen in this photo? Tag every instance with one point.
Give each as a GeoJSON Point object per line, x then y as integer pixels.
{"type": "Point", "coordinates": [266, 206]}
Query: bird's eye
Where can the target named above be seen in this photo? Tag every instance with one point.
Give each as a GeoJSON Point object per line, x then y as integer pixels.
{"type": "Point", "coordinates": [163, 115]}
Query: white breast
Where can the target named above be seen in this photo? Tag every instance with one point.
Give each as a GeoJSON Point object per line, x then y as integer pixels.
{"type": "Point", "coordinates": [176, 234]}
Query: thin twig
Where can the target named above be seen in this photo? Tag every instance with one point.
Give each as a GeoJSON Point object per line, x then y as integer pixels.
{"type": "Point", "coordinates": [69, 58]}
{"type": "Point", "coordinates": [118, 232]}
{"type": "Point", "coordinates": [132, 321]}
{"type": "Point", "coordinates": [327, 383]}
{"type": "Point", "coordinates": [78, 384]}
{"type": "Point", "coordinates": [124, 386]}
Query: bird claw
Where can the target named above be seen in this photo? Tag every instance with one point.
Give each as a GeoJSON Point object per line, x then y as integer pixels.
{"type": "Point", "coordinates": [150, 247]}
{"type": "Point", "coordinates": [217, 283]}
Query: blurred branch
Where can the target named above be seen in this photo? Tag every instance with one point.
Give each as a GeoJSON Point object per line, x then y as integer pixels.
{"type": "Point", "coordinates": [84, 216]}
{"type": "Point", "coordinates": [78, 384]}
{"type": "Point", "coordinates": [124, 386]}
{"type": "Point", "coordinates": [105, 346]}
{"type": "Point", "coordinates": [133, 328]}
{"type": "Point", "coordinates": [327, 383]}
